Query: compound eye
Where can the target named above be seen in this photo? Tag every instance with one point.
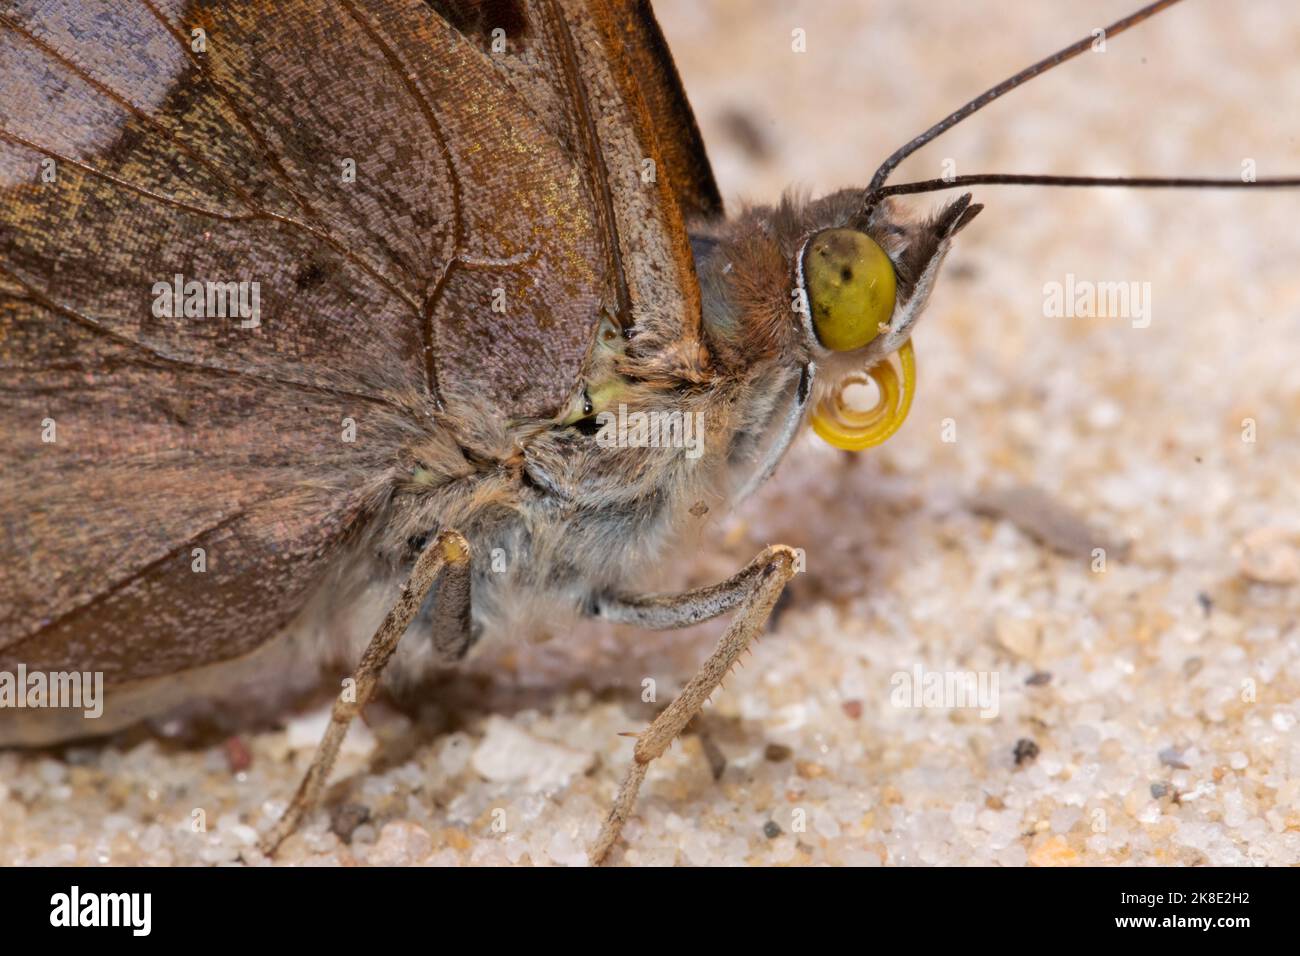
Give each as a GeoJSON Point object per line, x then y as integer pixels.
{"type": "Point", "coordinates": [850, 284]}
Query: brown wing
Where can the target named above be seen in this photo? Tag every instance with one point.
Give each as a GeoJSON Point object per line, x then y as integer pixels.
{"type": "Point", "coordinates": [598, 75]}
{"type": "Point", "coordinates": [211, 140]}
{"type": "Point", "coordinates": [689, 173]}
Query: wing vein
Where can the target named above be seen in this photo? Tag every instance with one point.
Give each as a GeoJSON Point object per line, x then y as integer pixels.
{"type": "Point", "coordinates": [405, 75]}
{"type": "Point", "coordinates": [240, 116]}
{"type": "Point", "coordinates": [85, 321]}
{"type": "Point", "coordinates": [126, 581]}
{"type": "Point", "coordinates": [131, 108]}
{"type": "Point", "coordinates": [257, 215]}
{"type": "Point", "coordinates": [594, 160]}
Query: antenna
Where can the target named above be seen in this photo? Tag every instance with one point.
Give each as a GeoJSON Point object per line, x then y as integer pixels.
{"type": "Point", "coordinates": [1132, 182]}
{"type": "Point", "coordinates": [874, 189]}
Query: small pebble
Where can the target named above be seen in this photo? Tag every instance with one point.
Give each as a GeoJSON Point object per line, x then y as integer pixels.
{"type": "Point", "coordinates": [346, 817]}
{"type": "Point", "coordinates": [1018, 635]}
{"type": "Point", "coordinates": [238, 756]}
{"type": "Point", "coordinates": [1053, 852]}
{"type": "Point", "coordinates": [771, 830]}
{"type": "Point", "coordinates": [1206, 602]}
{"type": "Point", "coordinates": [1025, 749]}
{"type": "Point", "coordinates": [1173, 757]}
{"type": "Point", "coordinates": [1269, 556]}
{"type": "Point", "coordinates": [777, 752]}
{"type": "Point", "coordinates": [401, 843]}
{"type": "Point", "coordinates": [508, 754]}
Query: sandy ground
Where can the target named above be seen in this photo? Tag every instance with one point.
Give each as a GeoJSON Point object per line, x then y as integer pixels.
{"type": "Point", "coordinates": [1144, 714]}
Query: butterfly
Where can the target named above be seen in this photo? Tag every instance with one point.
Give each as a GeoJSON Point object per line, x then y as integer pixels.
{"type": "Point", "coordinates": [408, 319]}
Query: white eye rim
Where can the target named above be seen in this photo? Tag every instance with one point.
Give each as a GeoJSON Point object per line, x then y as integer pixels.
{"type": "Point", "coordinates": [805, 303]}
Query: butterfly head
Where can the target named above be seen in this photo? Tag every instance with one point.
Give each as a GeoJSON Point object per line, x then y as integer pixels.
{"type": "Point", "coordinates": [859, 288]}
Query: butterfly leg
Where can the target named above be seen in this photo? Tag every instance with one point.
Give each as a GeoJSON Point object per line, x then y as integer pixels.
{"type": "Point", "coordinates": [443, 563]}
{"type": "Point", "coordinates": [755, 589]}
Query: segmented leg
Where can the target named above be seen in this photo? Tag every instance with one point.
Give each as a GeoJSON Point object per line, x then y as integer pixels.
{"type": "Point", "coordinates": [757, 587]}
{"type": "Point", "coordinates": [446, 558]}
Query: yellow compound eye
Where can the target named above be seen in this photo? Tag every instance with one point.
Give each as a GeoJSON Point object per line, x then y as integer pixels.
{"type": "Point", "coordinates": [850, 285]}
{"type": "Point", "coordinates": [844, 427]}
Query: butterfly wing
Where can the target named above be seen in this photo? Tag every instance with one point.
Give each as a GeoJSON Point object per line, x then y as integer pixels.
{"type": "Point", "coordinates": [174, 485]}
{"type": "Point", "coordinates": [689, 172]}
{"type": "Point", "coordinates": [597, 74]}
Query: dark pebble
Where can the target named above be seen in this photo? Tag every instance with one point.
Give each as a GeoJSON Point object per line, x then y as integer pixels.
{"type": "Point", "coordinates": [346, 817]}
{"type": "Point", "coordinates": [1026, 749]}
